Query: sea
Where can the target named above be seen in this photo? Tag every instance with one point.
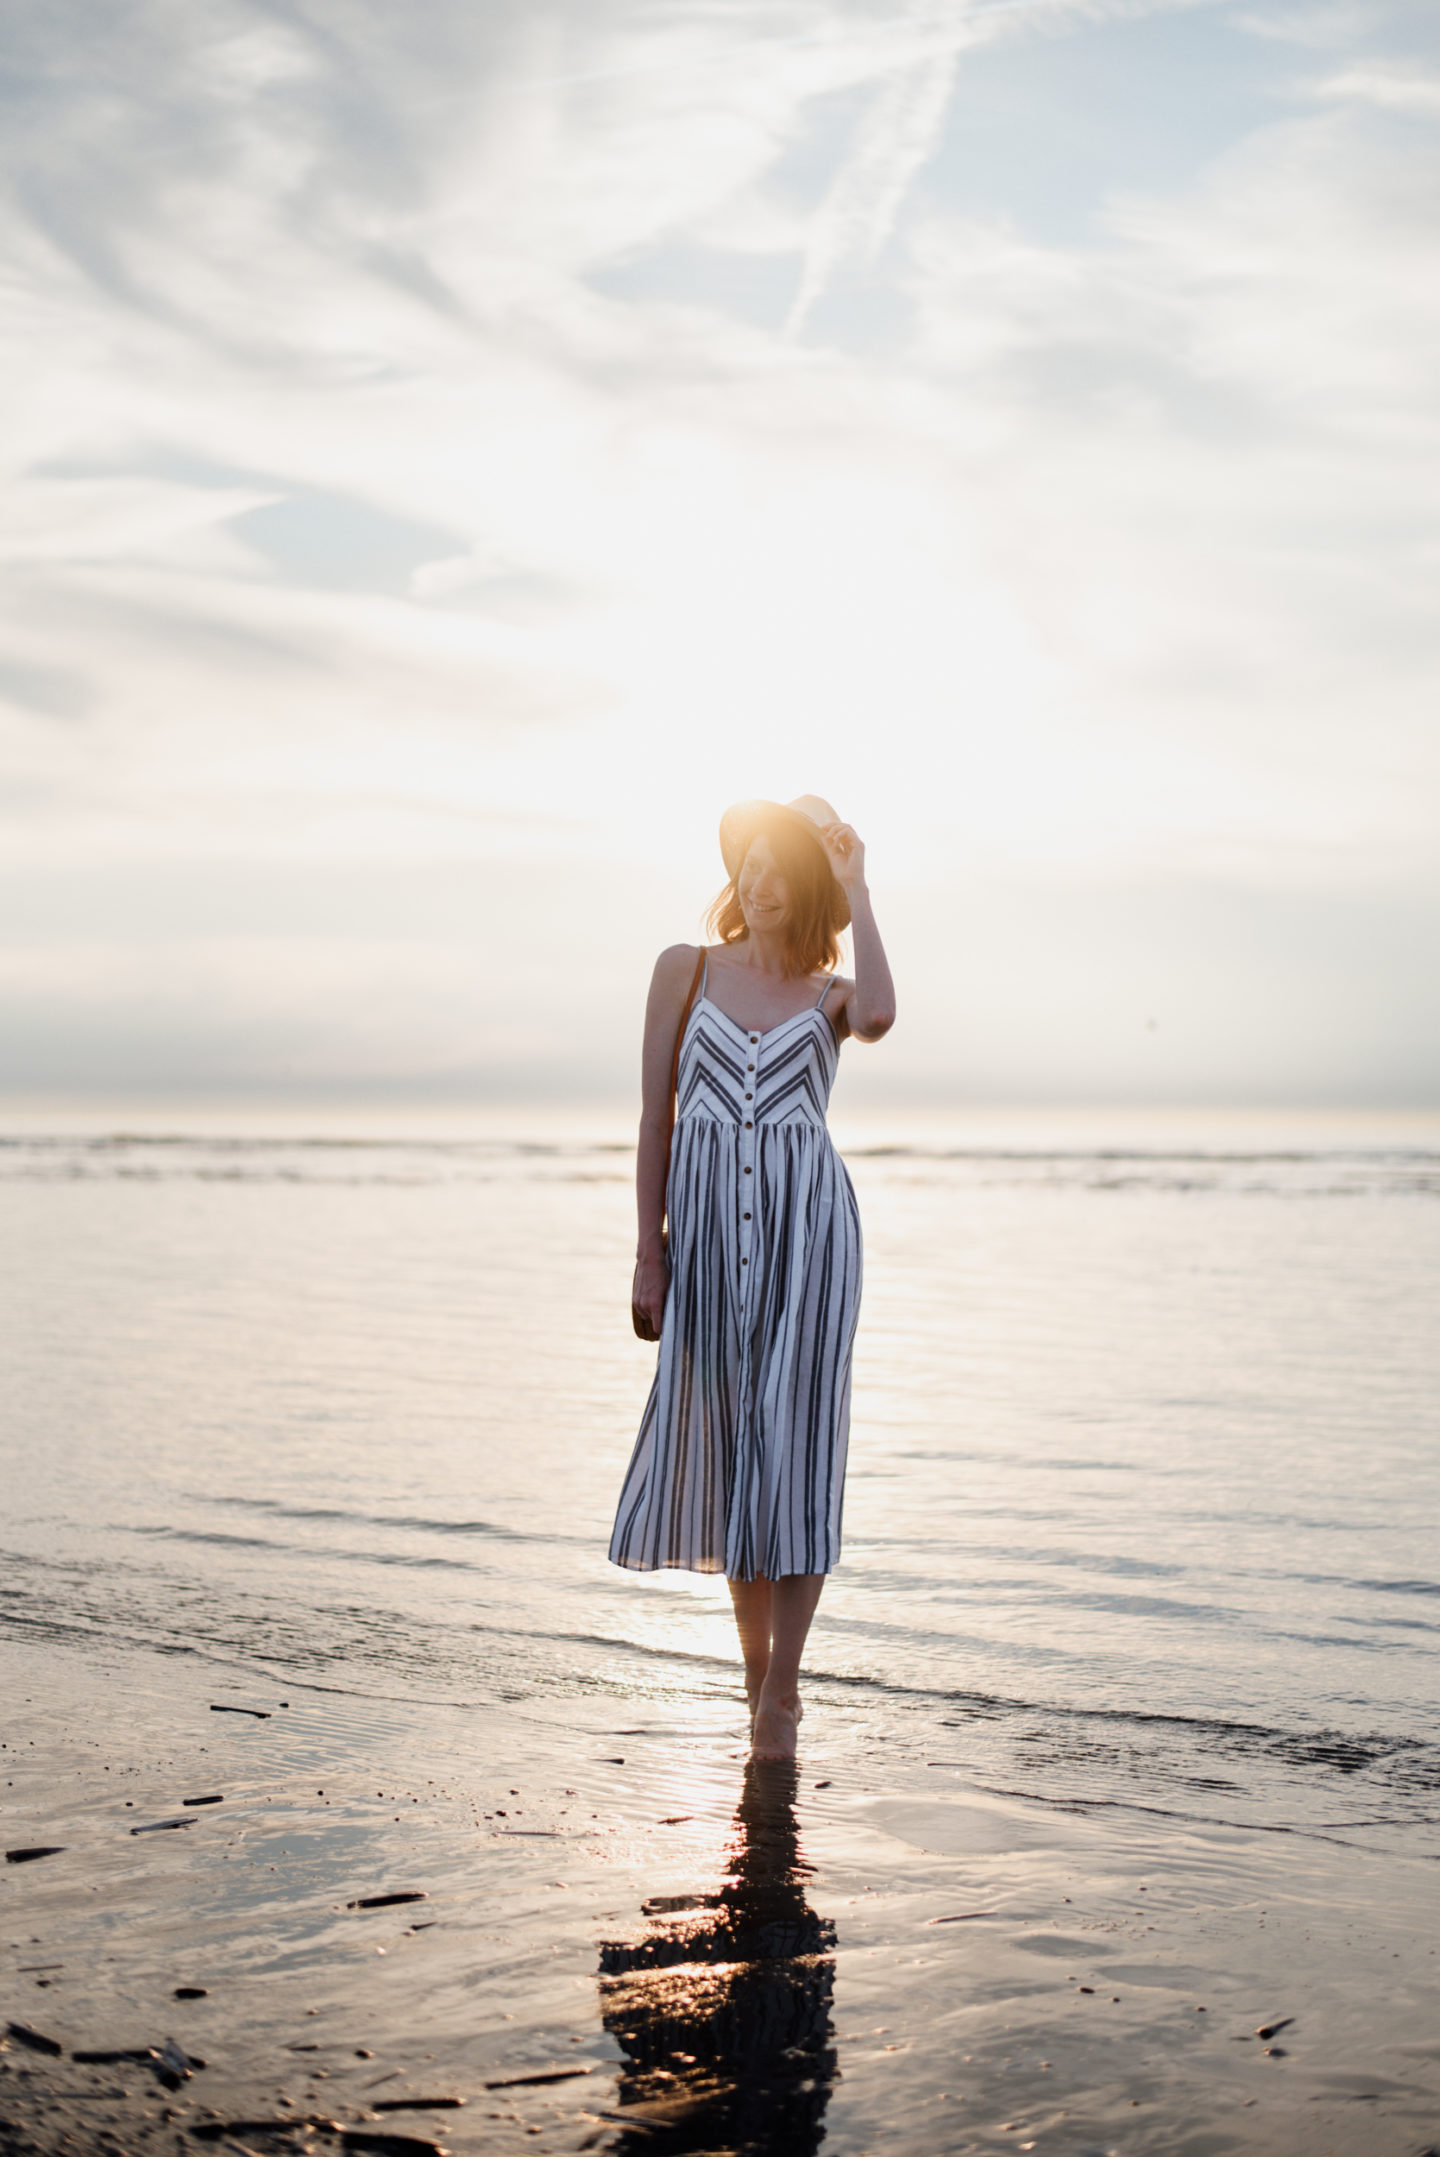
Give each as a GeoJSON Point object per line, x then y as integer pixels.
{"type": "Point", "coordinates": [1143, 1504]}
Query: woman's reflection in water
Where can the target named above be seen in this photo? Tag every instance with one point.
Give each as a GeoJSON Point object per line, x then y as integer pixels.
{"type": "Point", "coordinates": [722, 2006]}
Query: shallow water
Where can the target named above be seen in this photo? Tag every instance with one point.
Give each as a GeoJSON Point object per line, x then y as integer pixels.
{"type": "Point", "coordinates": [1143, 1490]}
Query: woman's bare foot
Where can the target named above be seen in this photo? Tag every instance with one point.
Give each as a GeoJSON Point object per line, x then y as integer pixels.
{"type": "Point", "coordinates": [754, 1700]}
{"type": "Point", "coordinates": [774, 1731]}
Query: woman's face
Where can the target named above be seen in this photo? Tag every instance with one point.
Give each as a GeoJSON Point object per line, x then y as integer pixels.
{"type": "Point", "coordinates": [764, 893]}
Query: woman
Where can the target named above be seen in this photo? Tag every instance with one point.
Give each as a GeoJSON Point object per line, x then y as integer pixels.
{"type": "Point", "coordinates": [740, 1462]}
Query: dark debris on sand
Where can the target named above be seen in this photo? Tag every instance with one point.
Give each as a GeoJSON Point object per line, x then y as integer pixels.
{"type": "Point", "coordinates": [56, 2101]}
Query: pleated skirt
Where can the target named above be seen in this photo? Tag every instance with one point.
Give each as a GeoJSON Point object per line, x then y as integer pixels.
{"type": "Point", "coordinates": [739, 1466]}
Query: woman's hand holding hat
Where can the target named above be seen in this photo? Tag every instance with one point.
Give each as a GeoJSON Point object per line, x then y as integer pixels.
{"type": "Point", "coordinates": [845, 852]}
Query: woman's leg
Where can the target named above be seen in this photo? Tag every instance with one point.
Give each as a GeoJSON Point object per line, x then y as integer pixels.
{"type": "Point", "coordinates": [752, 1621]}
{"type": "Point", "coordinates": [777, 1715]}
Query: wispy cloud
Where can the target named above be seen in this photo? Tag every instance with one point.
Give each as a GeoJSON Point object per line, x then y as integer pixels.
{"type": "Point", "coordinates": [1396, 88]}
{"type": "Point", "coordinates": [913, 68]}
{"type": "Point", "coordinates": [891, 145]}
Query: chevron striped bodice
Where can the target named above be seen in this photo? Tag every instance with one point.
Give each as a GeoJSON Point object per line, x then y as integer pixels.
{"type": "Point", "coordinates": [746, 1076]}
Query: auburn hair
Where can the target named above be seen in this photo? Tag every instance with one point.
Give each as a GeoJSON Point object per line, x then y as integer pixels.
{"type": "Point", "coordinates": [812, 940]}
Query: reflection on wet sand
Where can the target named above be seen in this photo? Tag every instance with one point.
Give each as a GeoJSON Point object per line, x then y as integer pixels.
{"type": "Point", "coordinates": [722, 2005]}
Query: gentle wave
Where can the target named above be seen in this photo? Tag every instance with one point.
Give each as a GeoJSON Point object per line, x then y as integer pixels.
{"type": "Point", "coordinates": [111, 1593]}
{"type": "Point", "coordinates": [280, 1510]}
{"type": "Point", "coordinates": [1106, 1564]}
{"type": "Point", "coordinates": [1327, 1783]}
{"type": "Point", "coordinates": [1323, 1172]}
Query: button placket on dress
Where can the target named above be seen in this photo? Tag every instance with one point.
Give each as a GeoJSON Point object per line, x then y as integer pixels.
{"type": "Point", "coordinates": [747, 1165]}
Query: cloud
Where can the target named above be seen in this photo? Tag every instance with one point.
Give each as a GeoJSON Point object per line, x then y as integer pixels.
{"type": "Point", "coordinates": [54, 692]}
{"type": "Point", "coordinates": [1397, 88]}
{"type": "Point", "coordinates": [904, 117]}
{"type": "Point", "coordinates": [1200, 439]}
{"type": "Point", "coordinates": [1334, 25]}
{"type": "Point", "coordinates": [413, 469]}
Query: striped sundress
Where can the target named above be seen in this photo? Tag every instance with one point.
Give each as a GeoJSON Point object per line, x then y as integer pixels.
{"type": "Point", "coordinates": [740, 1463]}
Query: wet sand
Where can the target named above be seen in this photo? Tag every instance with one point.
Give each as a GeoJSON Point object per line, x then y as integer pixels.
{"type": "Point", "coordinates": [627, 1942]}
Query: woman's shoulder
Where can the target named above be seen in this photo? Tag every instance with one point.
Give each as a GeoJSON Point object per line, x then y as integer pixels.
{"type": "Point", "coordinates": [676, 963]}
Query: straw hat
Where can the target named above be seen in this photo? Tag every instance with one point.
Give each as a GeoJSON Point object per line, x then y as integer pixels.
{"type": "Point", "coordinates": [806, 813]}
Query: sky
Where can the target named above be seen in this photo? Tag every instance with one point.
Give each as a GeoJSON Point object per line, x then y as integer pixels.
{"type": "Point", "coordinates": [452, 451]}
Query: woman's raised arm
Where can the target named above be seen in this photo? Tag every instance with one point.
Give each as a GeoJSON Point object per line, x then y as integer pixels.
{"type": "Point", "coordinates": [870, 1006]}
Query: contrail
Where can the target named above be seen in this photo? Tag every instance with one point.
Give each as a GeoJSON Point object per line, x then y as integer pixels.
{"type": "Point", "coordinates": [859, 212]}
{"type": "Point", "coordinates": [951, 23]}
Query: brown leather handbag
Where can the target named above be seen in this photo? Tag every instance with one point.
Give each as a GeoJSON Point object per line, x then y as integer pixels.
{"type": "Point", "coordinates": [639, 1319]}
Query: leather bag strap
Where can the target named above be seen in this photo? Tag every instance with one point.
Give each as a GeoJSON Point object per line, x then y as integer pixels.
{"type": "Point", "coordinates": [641, 1323]}
{"type": "Point", "coordinates": [675, 1059]}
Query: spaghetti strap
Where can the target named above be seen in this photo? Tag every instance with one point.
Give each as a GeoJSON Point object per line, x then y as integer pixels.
{"type": "Point", "coordinates": [829, 985]}
{"type": "Point", "coordinates": [704, 970]}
